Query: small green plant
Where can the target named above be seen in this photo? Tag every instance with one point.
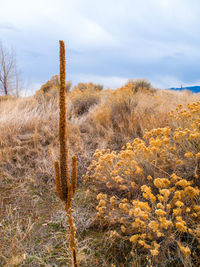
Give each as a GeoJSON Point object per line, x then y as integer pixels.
{"type": "Point", "coordinates": [65, 186]}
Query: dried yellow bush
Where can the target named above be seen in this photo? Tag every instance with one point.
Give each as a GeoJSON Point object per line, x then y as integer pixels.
{"type": "Point", "coordinates": [83, 97]}
{"type": "Point", "coordinates": [50, 88]}
{"type": "Point", "coordinates": [149, 191]}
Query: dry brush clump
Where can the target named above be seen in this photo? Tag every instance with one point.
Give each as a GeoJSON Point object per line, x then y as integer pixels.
{"type": "Point", "coordinates": [148, 193]}
{"type": "Point", "coordinates": [124, 114]}
{"type": "Point", "coordinates": [83, 97]}
{"type": "Point", "coordinates": [50, 88]}
{"type": "Point", "coordinates": [139, 85]}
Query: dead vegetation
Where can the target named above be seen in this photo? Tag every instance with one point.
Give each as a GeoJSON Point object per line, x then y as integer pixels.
{"type": "Point", "coordinates": [32, 221]}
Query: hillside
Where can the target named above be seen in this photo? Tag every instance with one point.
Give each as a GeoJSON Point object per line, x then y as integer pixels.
{"type": "Point", "coordinates": [109, 131]}
{"type": "Point", "coordinates": [194, 89]}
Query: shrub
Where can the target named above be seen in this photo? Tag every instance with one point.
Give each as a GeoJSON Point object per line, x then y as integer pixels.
{"type": "Point", "coordinates": [148, 193]}
{"type": "Point", "coordinates": [122, 115]}
{"type": "Point", "coordinates": [83, 97]}
{"type": "Point", "coordinates": [51, 87]}
{"type": "Point", "coordinates": [139, 85]}
{"type": "Point", "coordinates": [88, 86]}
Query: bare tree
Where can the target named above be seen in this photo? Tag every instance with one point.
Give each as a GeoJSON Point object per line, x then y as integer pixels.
{"type": "Point", "coordinates": [9, 75]}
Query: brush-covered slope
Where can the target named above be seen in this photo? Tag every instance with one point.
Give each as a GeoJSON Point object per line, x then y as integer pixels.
{"type": "Point", "coordinates": [32, 221]}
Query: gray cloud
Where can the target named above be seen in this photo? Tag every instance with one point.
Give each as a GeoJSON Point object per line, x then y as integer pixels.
{"type": "Point", "coordinates": [153, 39]}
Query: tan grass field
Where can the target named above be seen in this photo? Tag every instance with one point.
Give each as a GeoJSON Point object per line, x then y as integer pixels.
{"type": "Point", "coordinates": [32, 219]}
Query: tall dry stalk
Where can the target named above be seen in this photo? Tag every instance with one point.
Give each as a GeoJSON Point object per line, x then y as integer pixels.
{"type": "Point", "coordinates": [65, 186]}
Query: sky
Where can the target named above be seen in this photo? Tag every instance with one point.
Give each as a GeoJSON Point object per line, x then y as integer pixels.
{"type": "Point", "coordinates": [107, 41]}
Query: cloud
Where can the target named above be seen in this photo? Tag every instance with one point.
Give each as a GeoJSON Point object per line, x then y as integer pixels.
{"type": "Point", "coordinates": [150, 39]}
{"type": "Point", "coordinates": [8, 26]}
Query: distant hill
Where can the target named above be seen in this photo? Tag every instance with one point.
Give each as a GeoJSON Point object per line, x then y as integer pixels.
{"type": "Point", "coordinates": [194, 89]}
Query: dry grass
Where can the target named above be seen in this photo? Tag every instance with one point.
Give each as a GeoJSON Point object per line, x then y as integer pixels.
{"type": "Point", "coordinates": [32, 223]}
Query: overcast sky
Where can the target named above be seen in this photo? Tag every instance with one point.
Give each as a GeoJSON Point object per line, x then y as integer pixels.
{"type": "Point", "coordinates": [107, 41]}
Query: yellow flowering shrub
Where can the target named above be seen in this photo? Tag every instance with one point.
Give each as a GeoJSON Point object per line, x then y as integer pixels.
{"type": "Point", "coordinates": [149, 192]}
